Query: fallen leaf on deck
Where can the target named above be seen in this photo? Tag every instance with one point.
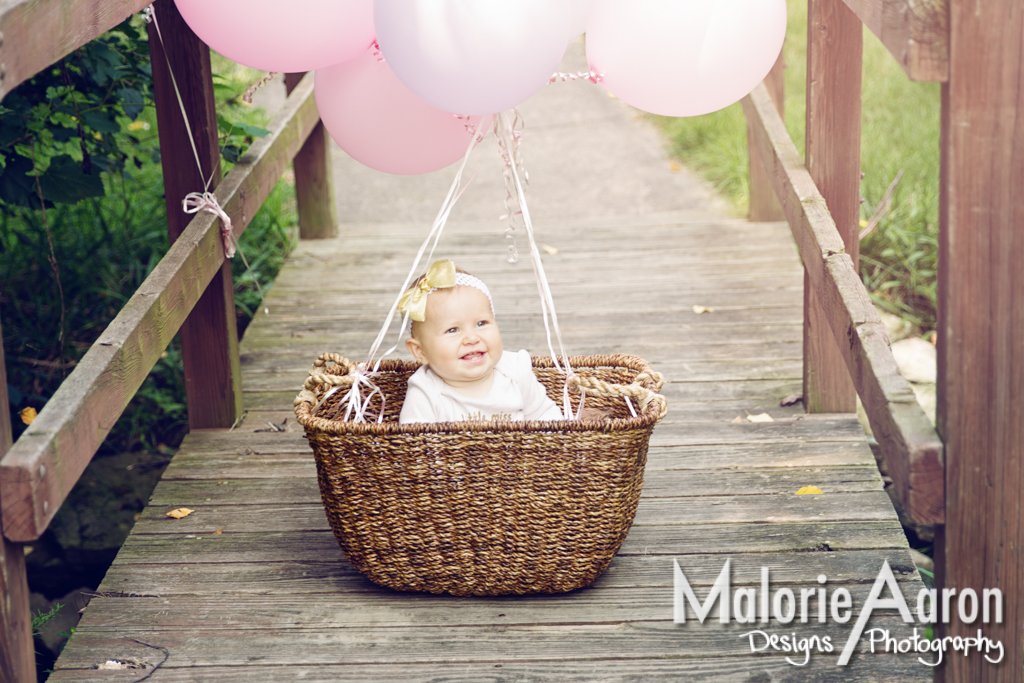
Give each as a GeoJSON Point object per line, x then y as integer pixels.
{"type": "Point", "coordinates": [283, 427]}
{"type": "Point", "coordinates": [548, 249]}
{"type": "Point", "coordinates": [763, 417]}
{"type": "Point", "coordinates": [808, 489]}
{"type": "Point", "coordinates": [792, 399]}
{"type": "Point", "coordinates": [28, 414]}
{"type": "Point", "coordinates": [738, 420]}
{"type": "Point", "coordinates": [125, 663]}
{"type": "Point", "coordinates": [702, 309]}
{"type": "Point", "coordinates": [180, 512]}
{"type": "Point", "coordinates": [219, 531]}
{"type": "Point", "coordinates": [676, 168]}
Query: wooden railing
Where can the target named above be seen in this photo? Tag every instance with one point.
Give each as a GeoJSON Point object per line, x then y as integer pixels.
{"type": "Point", "coordinates": [38, 471]}
{"type": "Point", "coordinates": [968, 482]}
{"type": "Point", "coordinates": [850, 326]}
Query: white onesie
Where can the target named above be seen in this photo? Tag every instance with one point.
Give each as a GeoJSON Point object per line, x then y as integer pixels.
{"type": "Point", "coordinates": [516, 394]}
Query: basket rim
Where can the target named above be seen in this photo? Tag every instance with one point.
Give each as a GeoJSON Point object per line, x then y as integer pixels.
{"type": "Point", "coordinates": [312, 423]}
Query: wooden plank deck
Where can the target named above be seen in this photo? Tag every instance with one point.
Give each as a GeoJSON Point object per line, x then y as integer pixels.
{"type": "Point", "coordinates": [252, 585]}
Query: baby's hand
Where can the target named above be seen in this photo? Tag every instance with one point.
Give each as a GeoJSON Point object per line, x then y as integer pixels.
{"type": "Point", "coordinates": [593, 414]}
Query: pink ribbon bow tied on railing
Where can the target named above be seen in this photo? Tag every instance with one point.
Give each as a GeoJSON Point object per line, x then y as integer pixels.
{"type": "Point", "coordinates": [194, 202]}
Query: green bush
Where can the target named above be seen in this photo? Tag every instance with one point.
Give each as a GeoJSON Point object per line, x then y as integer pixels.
{"type": "Point", "coordinates": [900, 131]}
{"type": "Point", "coordinates": [68, 264]}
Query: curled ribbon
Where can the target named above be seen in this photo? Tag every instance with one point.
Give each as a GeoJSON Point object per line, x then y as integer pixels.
{"type": "Point", "coordinates": [414, 302]}
{"type": "Point", "coordinates": [194, 202]}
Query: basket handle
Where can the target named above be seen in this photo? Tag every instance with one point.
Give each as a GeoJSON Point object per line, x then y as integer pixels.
{"type": "Point", "coordinates": [319, 377]}
{"type": "Point", "coordinates": [636, 389]}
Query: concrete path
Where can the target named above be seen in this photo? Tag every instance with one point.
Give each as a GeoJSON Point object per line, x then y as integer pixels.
{"type": "Point", "coordinates": [587, 153]}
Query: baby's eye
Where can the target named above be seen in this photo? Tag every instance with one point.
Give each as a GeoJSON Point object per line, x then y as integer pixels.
{"type": "Point", "coordinates": [482, 323]}
{"type": "Point", "coordinates": [451, 330]}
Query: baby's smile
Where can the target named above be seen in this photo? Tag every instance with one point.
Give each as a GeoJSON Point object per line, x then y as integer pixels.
{"type": "Point", "coordinates": [459, 339]}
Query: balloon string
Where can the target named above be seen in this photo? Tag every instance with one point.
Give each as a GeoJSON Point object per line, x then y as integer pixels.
{"type": "Point", "coordinates": [511, 155]}
{"type": "Point", "coordinates": [150, 16]}
{"type": "Point", "coordinates": [376, 51]}
{"type": "Point", "coordinates": [205, 201]}
{"type": "Point", "coordinates": [505, 129]}
{"type": "Point", "coordinates": [356, 404]}
{"type": "Point", "coordinates": [251, 90]}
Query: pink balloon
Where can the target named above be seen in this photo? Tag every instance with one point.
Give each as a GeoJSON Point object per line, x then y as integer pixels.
{"type": "Point", "coordinates": [379, 123]}
{"type": "Point", "coordinates": [473, 56]}
{"type": "Point", "coordinates": [685, 57]}
{"type": "Point", "coordinates": [270, 35]}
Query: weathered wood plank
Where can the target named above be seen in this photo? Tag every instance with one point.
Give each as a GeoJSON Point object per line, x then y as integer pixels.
{"type": "Point", "coordinates": [287, 571]}
{"type": "Point", "coordinates": [314, 180]}
{"type": "Point", "coordinates": [916, 32]}
{"type": "Point", "coordinates": [208, 518]}
{"type": "Point", "coordinates": [47, 460]}
{"type": "Point", "coordinates": [912, 449]}
{"type": "Point", "coordinates": [981, 289]}
{"type": "Point", "coordinates": [717, 669]}
{"type": "Point", "coordinates": [802, 429]}
{"type": "Point", "coordinates": [270, 489]}
{"type": "Point", "coordinates": [834, 49]}
{"type": "Point", "coordinates": [237, 561]}
{"type": "Point", "coordinates": [368, 609]}
{"type": "Point", "coordinates": [204, 647]}
{"type": "Point", "coordinates": [292, 458]}
{"type": "Point", "coordinates": [66, 25]}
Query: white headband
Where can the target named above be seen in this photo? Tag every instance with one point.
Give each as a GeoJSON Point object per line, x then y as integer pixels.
{"type": "Point", "coordinates": [467, 280]}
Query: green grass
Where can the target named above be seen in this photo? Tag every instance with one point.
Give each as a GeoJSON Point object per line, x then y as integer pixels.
{"type": "Point", "coordinates": [900, 131]}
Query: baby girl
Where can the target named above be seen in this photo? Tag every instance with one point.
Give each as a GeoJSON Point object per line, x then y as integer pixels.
{"type": "Point", "coordinates": [466, 374]}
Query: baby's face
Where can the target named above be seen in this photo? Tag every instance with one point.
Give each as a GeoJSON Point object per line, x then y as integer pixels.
{"type": "Point", "coordinates": [459, 339]}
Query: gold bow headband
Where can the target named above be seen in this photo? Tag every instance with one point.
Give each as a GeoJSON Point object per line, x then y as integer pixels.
{"type": "Point", "coordinates": [441, 275]}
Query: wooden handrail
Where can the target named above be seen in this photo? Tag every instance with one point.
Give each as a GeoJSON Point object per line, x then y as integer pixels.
{"type": "Point", "coordinates": [36, 33]}
{"type": "Point", "coordinates": [46, 462]}
{"type": "Point", "coordinates": [916, 32]}
{"type": "Point", "coordinates": [912, 449]}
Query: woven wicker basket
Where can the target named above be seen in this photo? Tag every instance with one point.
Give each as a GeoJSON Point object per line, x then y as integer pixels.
{"type": "Point", "coordinates": [483, 508]}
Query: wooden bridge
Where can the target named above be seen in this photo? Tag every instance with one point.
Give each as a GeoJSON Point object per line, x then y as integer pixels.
{"type": "Point", "coordinates": [252, 586]}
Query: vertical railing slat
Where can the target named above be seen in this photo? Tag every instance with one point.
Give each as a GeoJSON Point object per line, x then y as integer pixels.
{"type": "Point", "coordinates": [764, 204]}
{"type": "Point", "coordinates": [209, 337]}
{"type": "Point", "coordinates": [832, 153]}
{"type": "Point", "coordinates": [17, 658]}
{"type": "Point", "coordinates": [980, 407]}
{"type": "Point", "coordinates": [314, 181]}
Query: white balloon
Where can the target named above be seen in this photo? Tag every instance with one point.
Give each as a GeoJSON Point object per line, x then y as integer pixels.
{"type": "Point", "coordinates": [472, 56]}
{"type": "Point", "coordinates": [684, 57]}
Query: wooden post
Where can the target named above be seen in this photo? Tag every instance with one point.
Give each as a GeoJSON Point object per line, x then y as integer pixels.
{"type": "Point", "coordinates": [764, 205]}
{"type": "Point", "coordinates": [981, 326]}
{"type": "Point", "coordinates": [314, 181]}
{"type": "Point", "coordinates": [209, 337]}
{"type": "Point", "coordinates": [834, 53]}
{"type": "Point", "coordinates": [17, 658]}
